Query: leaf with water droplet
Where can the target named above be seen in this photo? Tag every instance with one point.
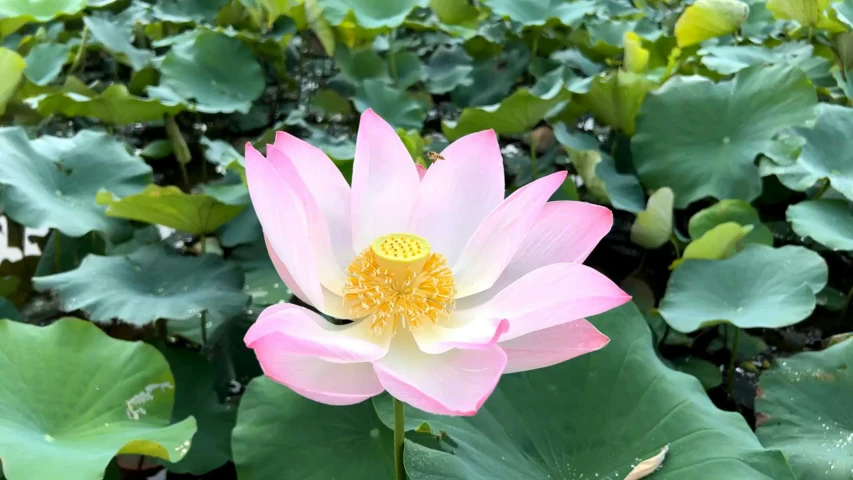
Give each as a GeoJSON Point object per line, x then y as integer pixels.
{"type": "Point", "coordinates": [805, 415]}
{"type": "Point", "coordinates": [53, 373]}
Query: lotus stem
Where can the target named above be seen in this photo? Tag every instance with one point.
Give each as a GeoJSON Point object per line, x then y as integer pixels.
{"type": "Point", "coordinates": [179, 145]}
{"type": "Point", "coordinates": [399, 439]}
{"type": "Point", "coordinates": [733, 360]}
{"type": "Point", "coordinates": [81, 51]}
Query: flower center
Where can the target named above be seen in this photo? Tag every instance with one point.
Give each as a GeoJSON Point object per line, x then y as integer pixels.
{"type": "Point", "coordinates": [397, 280]}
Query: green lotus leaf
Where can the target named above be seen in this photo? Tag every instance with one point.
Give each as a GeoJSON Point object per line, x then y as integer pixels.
{"type": "Point", "coordinates": [728, 59]}
{"type": "Point", "coordinates": [392, 104]}
{"type": "Point", "coordinates": [707, 373]}
{"type": "Point", "coordinates": [808, 13]}
{"type": "Point", "coordinates": [301, 437]}
{"type": "Point", "coordinates": [448, 68]}
{"type": "Point", "coordinates": [615, 98]}
{"type": "Point", "coordinates": [516, 114]}
{"type": "Point", "coordinates": [12, 65]}
{"type": "Point", "coordinates": [168, 206]}
{"type": "Point", "coordinates": [828, 222]}
{"type": "Point", "coordinates": [760, 287]}
{"type": "Point", "coordinates": [598, 171]}
{"type": "Point", "coordinates": [193, 69]}
{"type": "Point", "coordinates": [263, 282]}
{"type": "Point", "coordinates": [453, 12]}
{"type": "Point", "coordinates": [559, 433]}
{"type": "Point", "coordinates": [540, 12]}
{"type": "Point", "coordinates": [14, 14]}
{"type": "Point", "coordinates": [114, 105]}
{"type": "Point", "coordinates": [117, 38]}
{"type": "Point", "coordinates": [187, 11]}
{"type": "Point", "coordinates": [492, 79]}
{"type": "Point", "coordinates": [195, 395]}
{"type": "Point", "coordinates": [801, 411]}
{"type": "Point", "coordinates": [736, 211]}
{"type": "Point", "coordinates": [151, 283]}
{"type": "Point", "coordinates": [45, 61]}
{"type": "Point", "coordinates": [329, 102]}
{"type": "Point", "coordinates": [73, 398]}
{"type": "Point", "coordinates": [706, 19]}
{"type": "Point", "coordinates": [718, 243]}
{"type": "Point", "coordinates": [653, 226]}
{"type": "Point", "coordinates": [824, 155]}
{"type": "Point", "coordinates": [701, 138]}
{"type": "Point", "coordinates": [9, 311]}
{"type": "Point", "coordinates": [368, 13]}
{"type": "Point", "coordinates": [51, 182]}
{"type": "Point", "coordinates": [41, 10]}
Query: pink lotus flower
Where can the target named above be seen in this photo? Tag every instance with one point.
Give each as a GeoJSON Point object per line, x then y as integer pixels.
{"type": "Point", "coordinates": [448, 284]}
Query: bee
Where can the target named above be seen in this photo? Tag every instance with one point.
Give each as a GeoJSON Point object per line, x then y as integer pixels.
{"type": "Point", "coordinates": [433, 156]}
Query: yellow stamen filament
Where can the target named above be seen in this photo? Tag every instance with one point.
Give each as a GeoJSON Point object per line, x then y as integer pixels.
{"type": "Point", "coordinates": [397, 281]}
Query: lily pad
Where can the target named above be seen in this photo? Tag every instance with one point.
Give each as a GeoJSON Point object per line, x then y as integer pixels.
{"type": "Point", "coordinates": [73, 398]}
{"type": "Point", "coordinates": [45, 61]}
{"type": "Point", "coordinates": [736, 211]}
{"type": "Point", "coordinates": [653, 226]}
{"type": "Point", "coordinates": [195, 395]}
{"type": "Point", "coordinates": [808, 13]}
{"type": "Point", "coordinates": [760, 287]}
{"type": "Point", "coordinates": [116, 37]}
{"type": "Point", "coordinates": [560, 433]}
{"type": "Point", "coordinates": [41, 10]}
{"type": "Point", "coordinates": [706, 372]}
{"type": "Point", "coordinates": [728, 59]}
{"type": "Point", "coordinates": [392, 104]}
{"type": "Point", "coordinates": [13, 66]}
{"type": "Point", "coordinates": [150, 283]}
{"type": "Point", "coordinates": [615, 98]}
{"type": "Point", "coordinates": [717, 243]}
{"type": "Point", "coordinates": [828, 222]}
{"type": "Point", "coordinates": [370, 14]}
{"type": "Point", "coordinates": [51, 182]}
{"type": "Point", "coordinates": [114, 105]}
{"type": "Point", "coordinates": [518, 113]}
{"type": "Point", "coordinates": [701, 138]}
{"type": "Point", "coordinates": [598, 171]}
{"type": "Point", "coordinates": [540, 12]}
{"type": "Point", "coordinates": [800, 413]}
{"type": "Point", "coordinates": [301, 437]}
{"type": "Point", "coordinates": [706, 19]}
{"type": "Point", "coordinates": [824, 155]}
{"type": "Point", "coordinates": [168, 206]}
{"type": "Point", "coordinates": [263, 282]}
{"type": "Point", "coordinates": [448, 68]}
{"type": "Point", "coordinates": [193, 69]}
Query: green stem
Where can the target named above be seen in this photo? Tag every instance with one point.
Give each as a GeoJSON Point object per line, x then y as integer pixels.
{"type": "Point", "coordinates": [674, 242]}
{"type": "Point", "coordinates": [823, 188]}
{"type": "Point", "coordinates": [535, 46]}
{"type": "Point", "coordinates": [202, 247]}
{"type": "Point", "coordinates": [179, 145]}
{"type": "Point", "coordinates": [392, 62]}
{"type": "Point", "coordinates": [81, 51]}
{"type": "Point", "coordinates": [733, 360]}
{"type": "Point", "coordinates": [399, 437]}
{"type": "Point", "coordinates": [57, 253]}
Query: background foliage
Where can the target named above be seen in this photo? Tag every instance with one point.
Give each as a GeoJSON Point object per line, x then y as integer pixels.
{"type": "Point", "coordinates": [717, 130]}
